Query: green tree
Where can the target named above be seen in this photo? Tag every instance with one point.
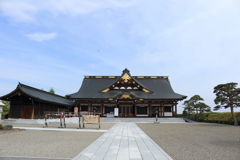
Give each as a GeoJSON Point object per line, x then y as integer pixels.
{"type": "Point", "coordinates": [6, 109]}
{"type": "Point", "coordinates": [184, 114]}
{"type": "Point", "coordinates": [52, 91]}
{"type": "Point", "coordinates": [202, 107]}
{"type": "Point", "coordinates": [195, 104]}
{"type": "Point", "coordinates": [188, 107]}
{"type": "Point", "coordinates": [194, 100]}
{"type": "Point", "coordinates": [227, 96]}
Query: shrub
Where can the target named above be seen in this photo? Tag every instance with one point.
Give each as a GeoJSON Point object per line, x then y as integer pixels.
{"type": "Point", "coordinates": [216, 117]}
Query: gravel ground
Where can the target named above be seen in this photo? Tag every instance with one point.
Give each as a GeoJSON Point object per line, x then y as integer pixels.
{"type": "Point", "coordinates": [52, 144]}
{"type": "Point", "coordinates": [196, 141]}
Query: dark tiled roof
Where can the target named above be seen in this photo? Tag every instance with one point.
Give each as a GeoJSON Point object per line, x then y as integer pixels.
{"type": "Point", "coordinates": [40, 95]}
{"type": "Point", "coordinates": [160, 88]}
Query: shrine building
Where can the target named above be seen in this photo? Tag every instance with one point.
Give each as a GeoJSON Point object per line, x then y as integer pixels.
{"type": "Point", "coordinates": [107, 96]}
{"type": "Point", "coordinates": [126, 96]}
{"type": "Point", "coordinates": [27, 102]}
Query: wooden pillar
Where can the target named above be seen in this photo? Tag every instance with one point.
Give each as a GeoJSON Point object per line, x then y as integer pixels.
{"type": "Point", "coordinates": [159, 110]}
{"type": "Point", "coordinates": [21, 107]}
{"type": "Point", "coordinates": [150, 109]}
{"type": "Point", "coordinates": [39, 108]}
{"type": "Point", "coordinates": [10, 112]}
{"type": "Point", "coordinates": [79, 106]}
{"type": "Point", "coordinates": [101, 109]}
{"type": "Point", "coordinates": [43, 109]}
{"type": "Point", "coordinates": [176, 109]}
{"type": "Point", "coordinates": [33, 110]}
{"type": "Point", "coordinates": [135, 110]}
{"type": "Point", "coordinates": [163, 109]}
{"type": "Point", "coordinates": [89, 109]}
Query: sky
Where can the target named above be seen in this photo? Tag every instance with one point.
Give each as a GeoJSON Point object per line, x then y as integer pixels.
{"type": "Point", "coordinates": [55, 43]}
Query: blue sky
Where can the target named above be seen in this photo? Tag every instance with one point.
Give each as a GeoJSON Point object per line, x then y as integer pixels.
{"type": "Point", "coordinates": [56, 43]}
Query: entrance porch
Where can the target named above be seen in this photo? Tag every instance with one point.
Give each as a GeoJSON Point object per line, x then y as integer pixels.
{"type": "Point", "coordinates": [129, 110]}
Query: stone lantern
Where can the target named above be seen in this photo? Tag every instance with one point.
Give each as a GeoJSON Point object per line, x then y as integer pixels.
{"type": "Point", "coordinates": [1, 109]}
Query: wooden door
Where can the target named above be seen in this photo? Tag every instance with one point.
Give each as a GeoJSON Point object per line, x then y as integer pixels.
{"type": "Point", "coordinates": [126, 111]}
{"type": "Point", "coordinates": [27, 111]}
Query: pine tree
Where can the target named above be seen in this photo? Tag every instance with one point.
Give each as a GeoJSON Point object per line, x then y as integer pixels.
{"type": "Point", "coordinates": [227, 96]}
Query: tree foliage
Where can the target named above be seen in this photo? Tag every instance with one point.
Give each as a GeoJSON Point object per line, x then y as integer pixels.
{"type": "Point", "coordinates": [194, 104]}
{"type": "Point", "coordinates": [227, 96]}
{"type": "Point", "coordinates": [202, 107]}
{"type": "Point", "coordinates": [52, 91]}
{"type": "Point", "coordinates": [6, 109]}
{"type": "Point", "coordinates": [188, 107]}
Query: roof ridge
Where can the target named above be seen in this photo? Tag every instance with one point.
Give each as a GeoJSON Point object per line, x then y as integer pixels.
{"type": "Point", "coordinates": [107, 76]}
{"type": "Point", "coordinates": [20, 84]}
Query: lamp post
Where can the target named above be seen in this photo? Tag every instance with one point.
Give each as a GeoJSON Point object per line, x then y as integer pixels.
{"type": "Point", "coordinates": [156, 112]}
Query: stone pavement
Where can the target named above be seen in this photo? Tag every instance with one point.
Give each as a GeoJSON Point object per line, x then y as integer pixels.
{"type": "Point", "coordinates": [124, 141]}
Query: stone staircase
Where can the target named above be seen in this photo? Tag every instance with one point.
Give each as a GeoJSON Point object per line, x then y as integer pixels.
{"type": "Point", "coordinates": [143, 120]}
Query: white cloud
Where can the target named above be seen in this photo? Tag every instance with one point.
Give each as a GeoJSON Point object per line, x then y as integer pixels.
{"type": "Point", "coordinates": [39, 37]}
{"type": "Point", "coordinates": [19, 10]}
{"type": "Point", "coordinates": [27, 11]}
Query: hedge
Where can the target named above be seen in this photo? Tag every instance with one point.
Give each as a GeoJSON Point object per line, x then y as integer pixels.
{"type": "Point", "coordinates": [216, 117]}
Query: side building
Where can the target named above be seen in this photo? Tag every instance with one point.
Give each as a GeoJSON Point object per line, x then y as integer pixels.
{"type": "Point", "coordinates": [30, 103]}
{"type": "Point", "coordinates": [127, 96]}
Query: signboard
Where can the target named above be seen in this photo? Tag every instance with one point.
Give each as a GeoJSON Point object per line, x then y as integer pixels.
{"type": "Point", "coordinates": [115, 111]}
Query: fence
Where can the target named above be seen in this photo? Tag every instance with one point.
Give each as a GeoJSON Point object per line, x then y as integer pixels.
{"type": "Point", "coordinates": [87, 118]}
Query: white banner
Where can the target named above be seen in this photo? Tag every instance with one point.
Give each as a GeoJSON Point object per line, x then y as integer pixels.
{"type": "Point", "coordinates": [115, 111]}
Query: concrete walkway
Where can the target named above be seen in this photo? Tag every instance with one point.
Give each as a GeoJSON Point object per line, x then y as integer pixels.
{"type": "Point", "coordinates": [124, 141]}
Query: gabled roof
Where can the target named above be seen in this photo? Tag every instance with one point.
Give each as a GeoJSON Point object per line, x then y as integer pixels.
{"type": "Point", "coordinates": [125, 80]}
{"type": "Point", "coordinates": [151, 87]}
{"type": "Point", "coordinates": [39, 95]}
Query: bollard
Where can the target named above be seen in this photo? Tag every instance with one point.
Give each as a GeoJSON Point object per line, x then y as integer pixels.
{"type": "Point", "coordinates": [45, 124]}
{"type": "Point", "coordinates": [79, 121]}
{"type": "Point", "coordinates": [61, 120]}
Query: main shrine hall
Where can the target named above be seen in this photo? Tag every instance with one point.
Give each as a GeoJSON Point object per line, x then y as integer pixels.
{"type": "Point", "coordinates": [127, 96]}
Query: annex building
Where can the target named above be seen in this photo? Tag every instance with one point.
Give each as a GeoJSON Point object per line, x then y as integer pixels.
{"type": "Point", "coordinates": [27, 102]}
{"type": "Point", "coordinates": [107, 96]}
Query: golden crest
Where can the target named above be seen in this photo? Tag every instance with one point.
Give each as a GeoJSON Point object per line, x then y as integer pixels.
{"type": "Point", "coordinates": [126, 77]}
{"type": "Point", "coordinates": [125, 96]}
{"type": "Point", "coordinates": [106, 90]}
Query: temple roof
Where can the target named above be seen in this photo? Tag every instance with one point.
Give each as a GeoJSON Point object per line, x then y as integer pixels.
{"type": "Point", "coordinates": [38, 94]}
{"type": "Point", "coordinates": [147, 87]}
